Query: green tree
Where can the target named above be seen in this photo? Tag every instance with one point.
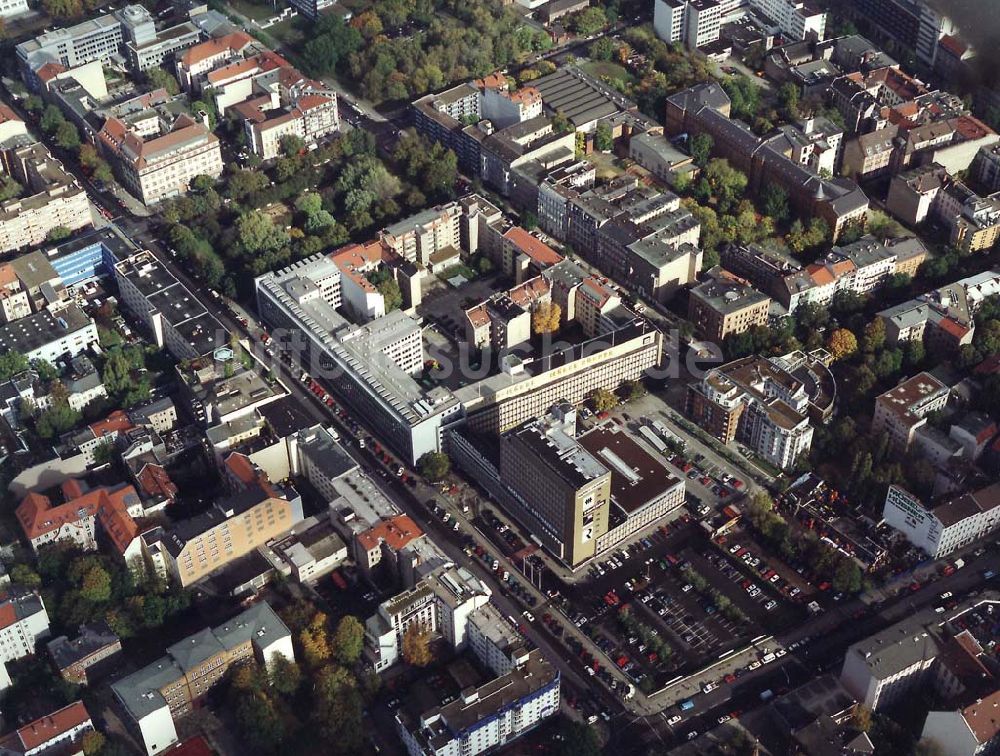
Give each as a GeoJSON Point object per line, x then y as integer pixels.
{"type": "Point", "coordinates": [587, 22]}
{"type": "Point", "coordinates": [349, 640]}
{"type": "Point", "coordinates": [701, 149]}
{"type": "Point", "coordinates": [601, 49]}
{"type": "Point", "coordinates": [774, 202]}
{"type": "Point", "coordinates": [603, 400]}
{"type": "Point", "coordinates": [21, 574]}
{"type": "Point", "coordinates": [434, 466]}
{"type": "Point", "coordinates": [12, 363]}
{"type": "Point", "coordinates": [160, 78]}
{"type": "Point", "coordinates": [67, 137]}
{"type": "Point", "coordinates": [560, 123]}
{"type": "Point", "coordinates": [603, 137]}
{"type": "Point", "coordinates": [847, 578]}
{"type": "Point", "coordinates": [96, 585]}
{"type": "Point", "coordinates": [578, 739]}
{"type": "Point", "coordinates": [57, 233]}
{"type": "Point", "coordinates": [788, 100]}
{"type": "Point", "coordinates": [285, 675]}
{"type": "Point", "coordinates": [257, 233]}
{"type": "Point", "coordinates": [633, 390]}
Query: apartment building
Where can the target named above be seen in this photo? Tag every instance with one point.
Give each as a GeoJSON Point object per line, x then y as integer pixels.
{"type": "Point", "coordinates": [61, 731]}
{"type": "Point", "coordinates": [10, 8]}
{"type": "Point", "coordinates": [900, 411]}
{"type": "Point", "coordinates": [757, 402]}
{"type": "Point", "coordinates": [427, 236]}
{"type": "Point", "coordinates": [967, 731]}
{"type": "Point", "coordinates": [23, 622]}
{"type": "Point", "coordinates": [50, 336]}
{"type": "Point", "coordinates": [384, 540]}
{"type": "Point", "coordinates": [503, 107]}
{"type": "Point", "coordinates": [163, 166]}
{"type": "Point", "coordinates": [76, 520]}
{"type": "Point", "coordinates": [564, 492]}
{"type": "Point", "coordinates": [51, 198]}
{"type": "Point", "coordinates": [984, 172]}
{"type": "Point", "coordinates": [439, 603]}
{"type": "Point", "coordinates": [706, 109]}
{"type": "Point", "coordinates": [151, 699]}
{"type": "Point", "coordinates": [173, 316]}
{"type": "Point", "coordinates": [505, 319]}
{"type": "Point", "coordinates": [486, 717]}
{"type": "Point", "coordinates": [947, 526]}
{"type": "Point", "coordinates": [725, 305]}
{"type": "Point", "coordinates": [14, 302]}
{"type": "Point", "coordinates": [90, 654]}
{"type": "Point", "coordinates": [194, 64]}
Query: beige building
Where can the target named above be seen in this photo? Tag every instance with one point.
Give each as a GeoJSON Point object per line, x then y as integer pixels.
{"type": "Point", "coordinates": [14, 302]}
{"type": "Point", "coordinates": [562, 489]}
{"type": "Point", "coordinates": [162, 167]}
{"type": "Point", "coordinates": [51, 198]}
{"type": "Point", "coordinates": [428, 234]}
{"type": "Point", "coordinates": [900, 411]}
{"type": "Point", "coordinates": [726, 305]}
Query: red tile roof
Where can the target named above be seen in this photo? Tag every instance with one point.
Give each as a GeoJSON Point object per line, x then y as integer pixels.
{"type": "Point", "coordinates": [196, 746]}
{"type": "Point", "coordinates": [6, 114]}
{"type": "Point", "coordinates": [110, 506]}
{"type": "Point", "coordinates": [8, 614]}
{"type": "Point", "coordinates": [396, 532]}
{"type": "Point", "coordinates": [953, 328]}
{"type": "Point", "coordinates": [49, 71]}
{"type": "Point", "coordinates": [241, 467]}
{"type": "Point", "coordinates": [231, 42]}
{"type": "Point", "coordinates": [116, 422]}
{"type": "Point", "coordinates": [53, 725]}
{"type": "Point", "coordinates": [983, 718]}
{"type": "Point", "coordinates": [156, 482]}
{"type": "Point", "coordinates": [540, 252]}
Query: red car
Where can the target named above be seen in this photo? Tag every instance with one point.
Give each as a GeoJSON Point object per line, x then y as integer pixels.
{"type": "Point", "coordinates": [730, 678]}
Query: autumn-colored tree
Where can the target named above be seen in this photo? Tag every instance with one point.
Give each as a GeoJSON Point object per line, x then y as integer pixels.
{"type": "Point", "coordinates": [874, 336]}
{"type": "Point", "coordinates": [93, 743]}
{"type": "Point", "coordinates": [842, 343]}
{"type": "Point", "coordinates": [315, 641]}
{"type": "Point", "coordinates": [603, 400]}
{"type": "Point", "coordinates": [417, 646]}
{"type": "Point", "coordinates": [546, 317]}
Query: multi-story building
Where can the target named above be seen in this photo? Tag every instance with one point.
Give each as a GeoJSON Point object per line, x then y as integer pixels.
{"type": "Point", "coordinates": [900, 411]}
{"type": "Point", "coordinates": [913, 193]}
{"type": "Point", "coordinates": [504, 320]}
{"type": "Point", "coordinates": [312, 550]}
{"type": "Point", "coordinates": [14, 302]}
{"type": "Point", "coordinates": [984, 173]}
{"type": "Point", "coordinates": [197, 61]}
{"type": "Point", "coordinates": [693, 23]}
{"type": "Point", "coordinates": [169, 688]}
{"type": "Point", "coordinates": [424, 237]}
{"type": "Point", "coordinates": [147, 48]}
{"type": "Point", "coordinates": [706, 108]}
{"type": "Point", "coordinates": [76, 519]}
{"type": "Point", "coordinates": [59, 731]}
{"type": "Point", "coordinates": [949, 525]}
{"type": "Point", "coordinates": [291, 105]}
{"type": "Point", "coordinates": [485, 717]}
{"type": "Point", "coordinates": [173, 315]}
{"type": "Point", "coordinates": [50, 336]}
{"type": "Point", "coordinates": [758, 402]}
{"type": "Point", "coordinates": [23, 623]}
{"type": "Point", "coordinates": [504, 108]}
{"type": "Point", "coordinates": [96, 39]}
{"type": "Point", "coordinates": [797, 19]}
{"type": "Point", "coordinates": [163, 166]}
{"type": "Point", "coordinates": [236, 525]}
{"type": "Point", "coordinates": [967, 731]}
{"type": "Point", "coordinates": [90, 654]}
{"type": "Point", "coordinates": [51, 198]}
{"type": "Point", "coordinates": [438, 604]}
{"type": "Point", "coordinates": [911, 26]}
{"type": "Point", "coordinates": [920, 653]}
{"type": "Point", "coordinates": [726, 305]}
{"type": "Point", "coordinates": [9, 8]}
{"type": "Point", "coordinates": [564, 492]}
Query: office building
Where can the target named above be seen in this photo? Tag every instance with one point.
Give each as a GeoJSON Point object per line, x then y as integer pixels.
{"type": "Point", "coordinates": [236, 525]}
{"type": "Point", "coordinates": [902, 410]}
{"type": "Point", "coordinates": [174, 317]}
{"type": "Point", "coordinates": [693, 23]}
{"type": "Point", "coordinates": [10, 8]}
{"type": "Point", "coordinates": [564, 491]}
{"type": "Point", "coordinates": [93, 652]}
{"type": "Point", "coordinates": [797, 19]}
{"type": "Point", "coordinates": [162, 166]}
{"type": "Point", "coordinates": [97, 39]}
{"type": "Point", "coordinates": [147, 48]}
{"type": "Point", "coordinates": [757, 402]}
{"type": "Point", "coordinates": [169, 688]}
{"type": "Point", "coordinates": [50, 336]}
{"type": "Point", "coordinates": [726, 305]}
{"type": "Point", "coordinates": [909, 26]}
{"type": "Point", "coordinates": [949, 525]}
{"type": "Point", "coordinates": [487, 717]}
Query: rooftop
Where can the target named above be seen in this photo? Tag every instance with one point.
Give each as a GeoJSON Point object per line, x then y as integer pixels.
{"type": "Point", "coordinates": [41, 328]}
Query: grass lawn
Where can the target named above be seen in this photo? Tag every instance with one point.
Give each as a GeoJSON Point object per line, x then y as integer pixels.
{"type": "Point", "coordinates": [606, 164]}
{"type": "Point", "coordinates": [600, 69]}
{"type": "Point", "coordinates": [287, 33]}
{"type": "Point", "coordinates": [256, 11]}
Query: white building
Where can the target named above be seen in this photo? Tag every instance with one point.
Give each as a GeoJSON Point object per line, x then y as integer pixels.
{"type": "Point", "coordinates": [971, 730]}
{"type": "Point", "coordinates": [900, 411]}
{"type": "Point", "coordinates": [50, 335]}
{"type": "Point", "coordinates": [10, 8]}
{"type": "Point", "coordinates": [691, 22]}
{"type": "Point", "coordinates": [488, 717]}
{"type": "Point", "coordinates": [59, 731]}
{"type": "Point", "coordinates": [942, 529]}
{"type": "Point", "coordinates": [23, 622]}
{"type": "Point", "coordinates": [797, 19]}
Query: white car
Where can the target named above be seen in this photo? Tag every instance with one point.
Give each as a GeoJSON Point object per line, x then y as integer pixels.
{"type": "Point", "coordinates": [528, 615]}
{"type": "Point", "coordinates": [754, 665]}
{"type": "Point", "coordinates": [708, 687]}
{"type": "Point", "coordinates": [692, 735]}
{"type": "Point", "coordinates": [771, 605]}
{"type": "Point", "coordinates": [734, 548]}
{"type": "Point", "coordinates": [687, 588]}
{"type": "Point", "coordinates": [723, 718]}
{"type": "Point", "coordinates": [780, 652]}
{"type": "Point", "coordinates": [674, 719]}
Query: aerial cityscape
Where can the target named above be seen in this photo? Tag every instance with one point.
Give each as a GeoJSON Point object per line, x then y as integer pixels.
{"type": "Point", "coordinates": [441, 378]}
